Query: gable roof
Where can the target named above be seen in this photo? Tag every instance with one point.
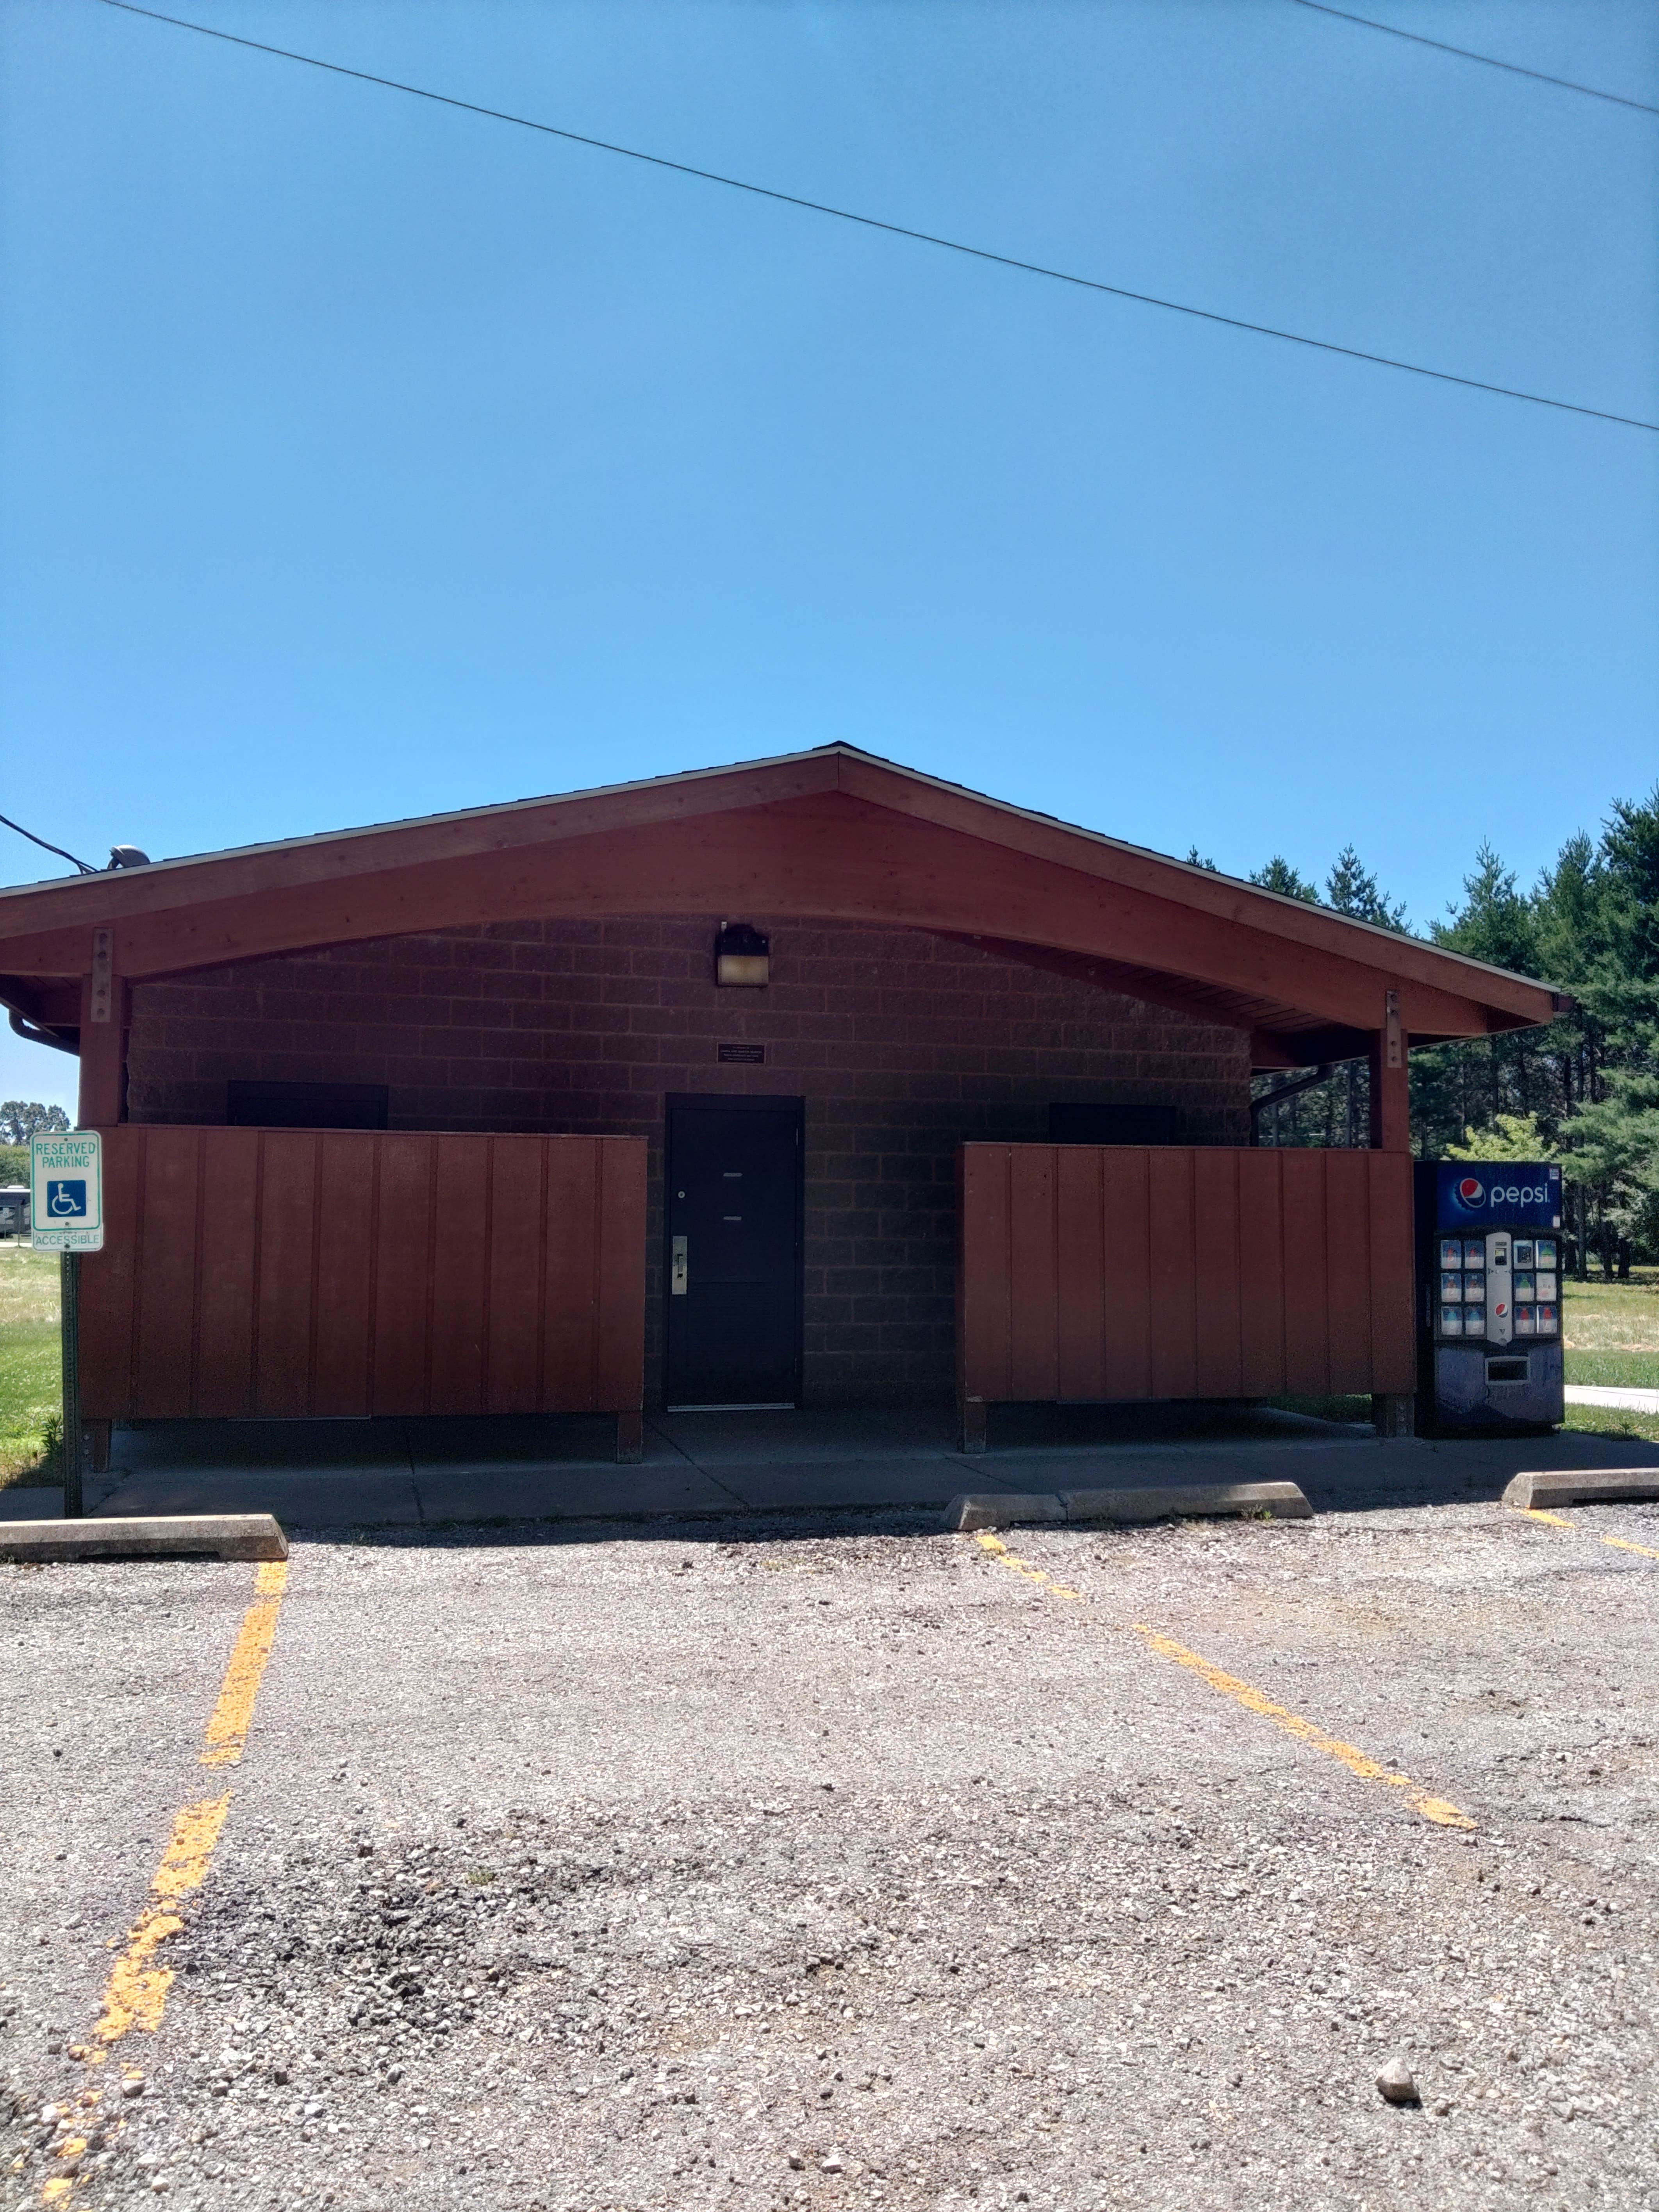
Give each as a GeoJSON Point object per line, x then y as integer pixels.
{"type": "Point", "coordinates": [831, 834]}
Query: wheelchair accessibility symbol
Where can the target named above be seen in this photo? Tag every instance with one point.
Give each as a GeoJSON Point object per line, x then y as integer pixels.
{"type": "Point", "coordinates": [67, 1201]}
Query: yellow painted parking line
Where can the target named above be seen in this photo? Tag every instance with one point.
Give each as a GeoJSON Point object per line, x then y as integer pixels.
{"type": "Point", "coordinates": [135, 1992]}
{"type": "Point", "coordinates": [1437, 1809]}
{"type": "Point", "coordinates": [1357, 1762]}
{"type": "Point", "coordinates": [227, 1730]}
{"type": "Point", "coordinates": [1619, 1543]}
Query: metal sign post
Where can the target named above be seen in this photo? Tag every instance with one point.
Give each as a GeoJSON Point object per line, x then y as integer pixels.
{"type": "Point", "coordinates": [70, 1265]}
{"type": "Point", "coordinates": [66, 1215]}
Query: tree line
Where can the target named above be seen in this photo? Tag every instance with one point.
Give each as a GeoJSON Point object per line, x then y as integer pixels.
{"type": "Point", "coordinates": [1585, 1089]}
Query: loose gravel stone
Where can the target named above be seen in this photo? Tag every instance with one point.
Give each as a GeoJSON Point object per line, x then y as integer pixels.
{"type": "Point", "coordinates": [1071, 1930]}
{"type": "Point", "coordinates": [1395, 2084]}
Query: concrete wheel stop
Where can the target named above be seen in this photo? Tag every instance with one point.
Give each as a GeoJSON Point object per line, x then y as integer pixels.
{"type": "Point", "coordinates": [151, 1536]}
{"type": "Point", "coordinates": [1277, 1501]}
{"type": "Point", "coordinates": [1586, 1486]}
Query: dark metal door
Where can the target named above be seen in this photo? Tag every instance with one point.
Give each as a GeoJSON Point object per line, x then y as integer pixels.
{"type": "Point", "coordinates": [733, 1222]}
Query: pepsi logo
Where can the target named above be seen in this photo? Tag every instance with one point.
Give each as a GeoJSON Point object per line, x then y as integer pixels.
{"type": "Point", "coordinates": [1470, 1192]}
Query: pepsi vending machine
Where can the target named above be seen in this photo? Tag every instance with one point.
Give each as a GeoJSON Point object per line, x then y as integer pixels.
{"type": "Point", "coordinates": [1488, 1296]}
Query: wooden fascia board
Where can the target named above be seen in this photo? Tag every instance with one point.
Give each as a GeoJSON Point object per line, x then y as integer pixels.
{"type": "Point", "coordinates": [83, 903]}
{"type": "Point", "coordinates": [335, 858]}
{"type": "Point", "coordinates": [821, 851]}
{"type": "Point", "coordinates": [823, 858]}
{"type": "Point", "coordinates": [1247, 906]}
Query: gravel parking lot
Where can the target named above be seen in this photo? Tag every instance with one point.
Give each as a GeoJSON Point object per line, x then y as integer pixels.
{"type": "Point", "coordinates": [852, 1864]}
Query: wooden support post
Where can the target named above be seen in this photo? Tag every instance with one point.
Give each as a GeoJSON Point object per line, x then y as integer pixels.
{"type": "Point", "coordinates": [1391, 1129]}
{"type": "Point", "coordinates": [105, 1013]}
{"type": "Point", "coordinates": [630, 1437]}
{"type": "Point", "coordinates": [1392, 1413]}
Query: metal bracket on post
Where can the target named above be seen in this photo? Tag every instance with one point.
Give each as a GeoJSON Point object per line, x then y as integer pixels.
{"type": "Point", "coordinates": [69, 1306]}
{"type": "Point", "coordinates": [1394, 1041]}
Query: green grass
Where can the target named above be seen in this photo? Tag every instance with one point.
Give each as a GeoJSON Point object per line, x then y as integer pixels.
{"type": "Point", "coordinates": [1613, 1331]}
{"type": "Point", "coordinates": [1613, 1421]}
{"type": "Point", "coordinates": [31, 1390]}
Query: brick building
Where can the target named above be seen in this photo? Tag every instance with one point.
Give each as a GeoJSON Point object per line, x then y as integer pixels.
{"type": "Point", "coordinates": [374, 1100]}
{"type": "Point", "coordinates": [900, 1044]}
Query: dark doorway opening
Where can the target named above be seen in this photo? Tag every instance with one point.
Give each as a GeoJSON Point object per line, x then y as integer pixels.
{"type": "Point", "coordinates": [305, 1105]}
{"type": "Point", "coordinates": [1113, 1125]}
{"type": "Point", "coordinates": [733, 1223]}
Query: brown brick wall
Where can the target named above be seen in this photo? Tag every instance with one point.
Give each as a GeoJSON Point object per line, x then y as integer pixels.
{"type": "Point", "coordinates": [901, 1044]}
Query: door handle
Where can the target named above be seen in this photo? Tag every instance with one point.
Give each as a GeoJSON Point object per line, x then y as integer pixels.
{"type": "Point", "coordinates": [676, 1269]}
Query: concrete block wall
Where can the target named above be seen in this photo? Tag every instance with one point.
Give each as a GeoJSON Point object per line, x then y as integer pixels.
{"type": "Point", "coordinates": [901, 1044]}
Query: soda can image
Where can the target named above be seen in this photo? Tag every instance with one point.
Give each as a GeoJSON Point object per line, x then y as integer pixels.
{"type": "Point", "coordinates": [1523, 1253]}
{"type": "Point", "coordinates": [1523, 1321]}
{"type": "Point", "coordinates": [1451, 1288]}
{"type": "Point", "coordinates": [1548, 1324]}
{"type": "Point", "coordinates": [1523, 1285]}
{"type": "Point", "coordinates": [1451, 1251]}
{"type": "Point", "coordinates": [1545, 1250]}
{"type": "Point", "coordinates": [1451, 1321]}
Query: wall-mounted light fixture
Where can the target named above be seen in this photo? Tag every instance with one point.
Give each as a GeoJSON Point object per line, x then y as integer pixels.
{"type": "Point", "coordinates": [742, 954]}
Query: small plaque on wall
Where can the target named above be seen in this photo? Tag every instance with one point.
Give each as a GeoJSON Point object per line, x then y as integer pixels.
{"type": "Point", "coordinates": [743, 1055]}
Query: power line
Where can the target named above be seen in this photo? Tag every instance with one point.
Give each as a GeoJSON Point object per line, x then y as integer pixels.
{"type": "Point", "coordinates": [1463, 54]}
{"type": "Point", "coordinates": [893, 229]}
{"type": "Point", "coordinates": [82, 865]}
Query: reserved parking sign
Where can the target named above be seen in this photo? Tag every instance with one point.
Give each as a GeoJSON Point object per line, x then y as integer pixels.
{"type": "Point", "coordinates": [67, 1194]}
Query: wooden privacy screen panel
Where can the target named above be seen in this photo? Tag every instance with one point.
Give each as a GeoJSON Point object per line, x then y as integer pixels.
{"type": "Point", "coordinates": [289, 1272]}
{"type": "Point", "coordinates": [1091, 1271]}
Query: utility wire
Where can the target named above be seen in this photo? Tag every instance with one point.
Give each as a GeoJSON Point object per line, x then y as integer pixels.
{"type": "Point", "coordinates": [1463, 54]}
{"type": "Point", "coordinates": [45, 848]}
{"type": "Point", "coordinates": [893, 229]}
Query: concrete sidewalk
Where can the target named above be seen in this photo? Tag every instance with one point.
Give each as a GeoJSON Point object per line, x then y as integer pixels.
{"type": "Point", "coordinates": [424, 1473]}
{"type": "Point", "coordinates": [1629, 1400]}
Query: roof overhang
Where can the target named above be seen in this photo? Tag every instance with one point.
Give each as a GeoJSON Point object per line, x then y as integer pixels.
{"type": "Point", "coordinates": [830, 834]}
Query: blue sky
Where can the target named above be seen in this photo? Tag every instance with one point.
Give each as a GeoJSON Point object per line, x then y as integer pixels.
{"type": "Point", "coordinates": [362, 459]}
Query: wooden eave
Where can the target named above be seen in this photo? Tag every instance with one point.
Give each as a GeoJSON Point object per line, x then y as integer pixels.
{"type": "Point", "coordinates": [831, 834]}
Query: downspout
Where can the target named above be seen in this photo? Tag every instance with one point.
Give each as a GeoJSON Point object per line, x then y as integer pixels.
{"type": "Point", "coordinates": [22, 1027]}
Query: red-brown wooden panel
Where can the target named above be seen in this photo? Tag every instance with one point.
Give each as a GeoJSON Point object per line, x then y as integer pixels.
{"type": "Point", "coordinates": [1126, 1204]}
{"type": "Point", "coordinates": [513, 1347]}
{"type": "Point", "coordinates": [165, 1301]}
{"type": "Point", "coordinates": [984, 1276]}
{"type": "Point", "coordinates": [1174, 1272]}
{"type": "Point", "coordinates": [108, 1280]}
{"type": "Point", "coordinates": [345, 1279]}
{"type": "Point", "coordinates": [460, 1275]}
{"type": "Point", "coordinates": [1033, 1305]}
{"type": "Point", "coordinates": [1348, 1269]}
{"type": "Point", "coordinates": [1081, 1266]}
{"type": "Point", "coordinates": [286, 1290]}
{"type": "Point", "coordinates": [294, 1272]}
{"type": "Point", "coordinates": [1261, 1274]}
{"type": "Point", "coordinates": [570, 1295]}
{"type": "Point", "coordinates": [618, 1381]}
{"type": "Point", "coordinates": [403, 1273]}
{"type": "Point", "coordinates": [1216, 1292]}
{"type": "Point", "coordinates": [1307, 1322]}
{"type": "Point", "coordinates": [225, 1280]}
